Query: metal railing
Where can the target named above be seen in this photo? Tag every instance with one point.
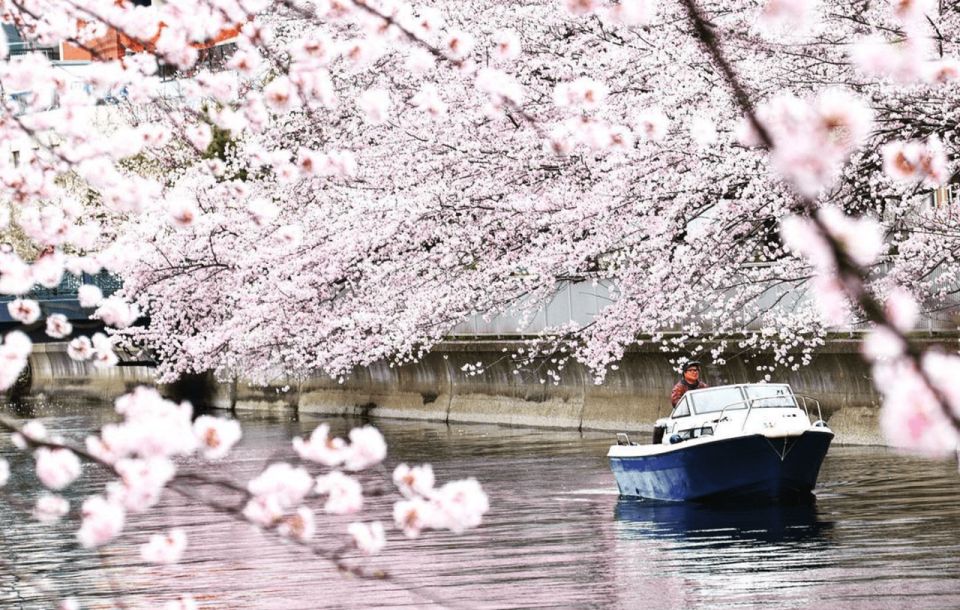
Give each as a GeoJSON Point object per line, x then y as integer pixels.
{"type": "Point", "coordinates": [798, 400]}
{"type": "Point", "coordinates": [70, 284]}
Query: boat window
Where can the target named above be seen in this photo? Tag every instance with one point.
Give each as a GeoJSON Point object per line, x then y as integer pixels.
{"type": "Point", "coordinates": [714, 400]}
{"type": "Point", "coordinates": [682, 409]}
{"type": "Point", "coordinates": [771, 395]}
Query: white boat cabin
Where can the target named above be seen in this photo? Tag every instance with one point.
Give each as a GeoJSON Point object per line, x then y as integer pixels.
{"type": "Point", "coordinates": [771, 409]}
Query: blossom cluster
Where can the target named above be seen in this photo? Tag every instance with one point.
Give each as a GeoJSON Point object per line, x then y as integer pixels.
{"type": "Point", "coordinates": [860, 239]}
{"type": "Point", "coordinates": [140, 450]}
{"type": "Point", "coordinates": [456, 506]}
{"type": "Point", "coordinates": [813, 138]}
{"type": "Point", "coordinates": [279, 493]}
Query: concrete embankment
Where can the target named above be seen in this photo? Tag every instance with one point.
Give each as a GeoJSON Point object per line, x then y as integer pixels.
{"type": "Point", "coordinates": [447, 385]}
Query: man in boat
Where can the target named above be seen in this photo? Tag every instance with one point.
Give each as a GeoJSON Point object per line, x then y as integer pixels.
{"type": "Point", "coordinates": [689, 380]}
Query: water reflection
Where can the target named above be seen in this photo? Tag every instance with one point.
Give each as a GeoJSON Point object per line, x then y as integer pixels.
{"type": "Point", "coordinates": [885, 532]}
{"type": "Point", "coordinates": [768, 523]}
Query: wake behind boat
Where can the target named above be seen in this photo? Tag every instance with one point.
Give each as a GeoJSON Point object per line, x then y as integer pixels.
{"type": "Point", "coordinates": [724, 443]}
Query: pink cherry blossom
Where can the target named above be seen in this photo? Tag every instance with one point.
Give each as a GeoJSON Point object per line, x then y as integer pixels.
{"type": "Point", "coordinates": [460, 505]}
{"type": "Point", "coordinates": [320, 448]}
{"type": "Point", "coordinates": [89, 295]}
{"type": "Point", "coordinates": [913, 10]}
{"type": "Point", "coordinates": [942, 369]}
{"type": "Point", "coordinates": [943, 71]}
{"type": "Point", "coordinates": [141, 482]}
{"type": "Point", "coordinates": [634, 12]}
{"type": "Point", "coordinates": [916, 161]}
{"type": "Point", "coordinates": [367, 448]}
{"type": "Point", "coordinates": [200, 135]}
{"type": "Point", "coordinates": [814, 137]}
{"type": "Point", "coordinates": [104, 358]}
{"type": "Point", "coordinates": [182, 212]}
{"type": "Point", "coordinates": [33, 430]}
{"type": "Point", "coordinates": [458, 44]}
{"type": "Point", "coordinates": [703, 132]}
{"type": "Point", "coordinates": [375, 105]}
{"type": "Point", "coordinates": [580, 7]}
{"type": "Point", "coordinates": [80, 349]}
{"type": "Point", "coordinates": [13, 357]}
{"type": "Point", "coordinates": [882, 344]}
{"type": "Point", "coordinates": [152, 428]}
{"type": "Point", "coordinates": [216, 436]}
{"type": "Point", "coordinates": [290, 236]}
{"type": "Point", "coordinates": [288, 484]}
{"type": "Point", "coordinates": [369, 538]}
{"type": "Point", "coordinates": [165, 548]}
{"type": "Point", "coordinates": [413, 516]}
{"type": "Point", "coordinates": [502, 88]}
{"type": "Point", "coordinates": [57, 468]}
{"type": "Point", "coordinates": [101, 521]}
{"type": "Point", "coordinates": [17, 344]}
{"type": "Point", "coordinates": [281, 96]}
{"type": "Point", "coordinates": [419, 61]}
{"type": "Point", "coordinates": [900, 61]}
{"type": "Point", "coordinates": [902, 309]}
{"type": "Point", "coordinates": [428, 100]}
{"type": "Point", "coordinates": [24, 310]}
{"type": "Point", "coordinates": [117, 313]}
{"type": "Point", "coordinates": [100, 450]}
{"type": "Point", "coordinates": [506, 45]}
{"type": "Point", "coordinates": [50, 508]}
{"type": "Point", "coordinates": [580, 94]}
{"type": "Point", "coordinates": [389, 172]}
{"type": "Point", "coordinates": [262, 211]}
{"type": "Point", "coordinates": [787, 13]}
{"type": "Point", "coordinates": [831, 300]}
{"type": "Point", "coordinates": [344, 493]}
{"type": "Point", "coordinates": [414, 481]}
{"type": "Point", "coordinates": [651, 124]}
{"type": "Point", "coordinates": [910, 417]}
{"type": "Point", "coordinates": [264, 511]}
{"type": "Point", "coordinates": [48, 269]}
{"type": "Point", "coordinates": [58, 326]}
{"type": "Point", "coordinates": [301, 525]}
{"type": "Point", "coordinates": [15, 276]}
{"type": "Point", "coordinates": [861, 238]}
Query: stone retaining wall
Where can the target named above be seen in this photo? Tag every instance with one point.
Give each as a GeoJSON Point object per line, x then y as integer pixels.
{"type": "Point", "coordinates": [438, 388]}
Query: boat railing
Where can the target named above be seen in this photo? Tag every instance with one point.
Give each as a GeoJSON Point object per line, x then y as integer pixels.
{"type": "Point", "coordinates": [751, 401]}
{"type": "Point", "coordinates": [816, 402]}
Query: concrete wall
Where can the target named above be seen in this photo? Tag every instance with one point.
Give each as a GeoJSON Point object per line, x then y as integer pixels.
{"type": "Point", "coordinates": [437, 388]}
{"type": "Point", "coordinates": [631, 397]}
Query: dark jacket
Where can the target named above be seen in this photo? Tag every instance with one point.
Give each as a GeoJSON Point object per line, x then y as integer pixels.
{"type": "Point", "coordinates": [681, 388]}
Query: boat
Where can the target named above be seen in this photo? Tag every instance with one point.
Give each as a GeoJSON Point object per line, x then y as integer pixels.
{"type": "Point", "coordinates": [727, 443]}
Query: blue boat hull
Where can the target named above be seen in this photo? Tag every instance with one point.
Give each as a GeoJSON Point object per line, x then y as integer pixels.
{"type": "Point", "coordinates": [751, 466]}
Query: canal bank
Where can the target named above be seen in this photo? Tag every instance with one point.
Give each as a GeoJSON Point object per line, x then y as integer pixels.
{"type": "Point", "coordinates": [477, 381]}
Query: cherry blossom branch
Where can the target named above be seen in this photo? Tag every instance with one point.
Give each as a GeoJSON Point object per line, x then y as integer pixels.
{"type": "Point", "coordinates": [851, 275]}
{"type": "Point", "coordinates": [419, 41]}
{"type": "Point", "coordinates": [180, 485]}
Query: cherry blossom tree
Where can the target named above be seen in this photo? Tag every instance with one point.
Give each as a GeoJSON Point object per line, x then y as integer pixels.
{"type": "Point", "coordinates": [395, 169]}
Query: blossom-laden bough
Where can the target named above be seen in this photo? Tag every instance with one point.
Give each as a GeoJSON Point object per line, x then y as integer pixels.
{"type": "Point", "coordinates": [144, 453]}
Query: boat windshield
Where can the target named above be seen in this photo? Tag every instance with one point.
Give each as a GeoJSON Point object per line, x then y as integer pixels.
{"type": "Point", "coordinates": [714, 400]}
{"type": "Point", "coordinates": [771, 395]}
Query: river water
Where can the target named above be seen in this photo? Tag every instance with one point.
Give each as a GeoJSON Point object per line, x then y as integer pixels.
{"type": "Point", "coordinates": [884, 533]}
